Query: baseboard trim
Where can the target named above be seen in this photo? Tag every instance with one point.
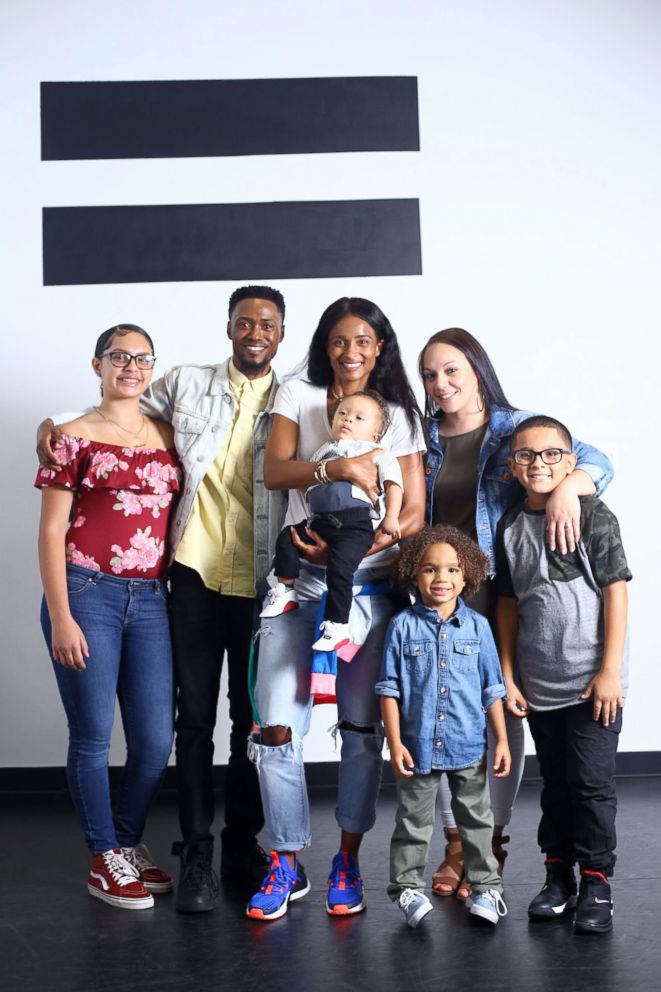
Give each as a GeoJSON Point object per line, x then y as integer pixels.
{"type": "Point", "coordinates": [320, 774]}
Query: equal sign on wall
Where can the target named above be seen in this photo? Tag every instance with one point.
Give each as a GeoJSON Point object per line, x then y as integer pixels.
{"type": "Point", "coordinates": [229, 241]}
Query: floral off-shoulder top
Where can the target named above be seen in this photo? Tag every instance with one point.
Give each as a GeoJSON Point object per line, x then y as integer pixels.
{"type": "Point", "coordinates": [122, 505]}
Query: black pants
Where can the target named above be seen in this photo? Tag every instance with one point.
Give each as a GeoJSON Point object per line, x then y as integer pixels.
{"type": "Point", "coordinates": [205, 625]}
{"type": "Point", "coordinates": [349, 535]}
{"type": "Point", "coordinates": [577, 759]}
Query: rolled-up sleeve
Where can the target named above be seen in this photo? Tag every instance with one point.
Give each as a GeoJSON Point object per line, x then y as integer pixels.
{"type": "Point", "coordinates": [389, 684]}
{"type": "Point", "coordinates": [595, 463]}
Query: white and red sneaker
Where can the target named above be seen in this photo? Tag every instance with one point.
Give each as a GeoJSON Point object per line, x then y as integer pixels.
{"type": "Point", "coordinates": [335, 635]}
{"type": "Point", "coordinates": [279, 599]}
{"type": "Point", "coordinates": [153, 878]}
{"type": "Point", "coordinates": [114, 880]}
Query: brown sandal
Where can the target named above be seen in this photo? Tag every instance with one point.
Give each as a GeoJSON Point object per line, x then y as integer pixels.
{"type": "Point", "coordinates": [449, 874]}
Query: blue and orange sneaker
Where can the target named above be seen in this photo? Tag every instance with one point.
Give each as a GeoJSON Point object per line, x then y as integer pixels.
{"type": "Point", "coordinates": [345, 886]}
{"type": "Point", "coordinates": [282, 884]}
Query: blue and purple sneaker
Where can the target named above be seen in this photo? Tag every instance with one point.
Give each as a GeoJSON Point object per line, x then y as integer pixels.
{"type": "Point", "coordinates": [281, 885]}
{"type": "Point", "coordinates": [345, 886]}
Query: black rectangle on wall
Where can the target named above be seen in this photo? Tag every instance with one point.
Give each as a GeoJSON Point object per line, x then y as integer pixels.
{"type": "Point", "coordinates": [231, 241]}
{"type": "Point", "coordinates": [192, 118]}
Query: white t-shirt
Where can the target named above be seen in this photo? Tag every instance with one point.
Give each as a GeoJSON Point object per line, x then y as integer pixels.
{"type": "Point", "coordinates": [305, 404]}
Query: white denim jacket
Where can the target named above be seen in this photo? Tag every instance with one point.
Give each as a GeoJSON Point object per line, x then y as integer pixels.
{"type": "Point", "coordinates": [198, 402]}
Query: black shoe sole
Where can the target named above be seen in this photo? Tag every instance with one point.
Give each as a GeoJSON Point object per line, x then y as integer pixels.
{"type": "Point", "coordinates": [187, 908]}
{"type": "Point", "coordinates": [551, 914]}
{"type": "Point", "coordinates": [584, 929]}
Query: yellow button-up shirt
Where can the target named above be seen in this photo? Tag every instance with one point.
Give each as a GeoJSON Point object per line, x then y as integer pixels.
{"type": "Point", "coordinates": [218, 541]}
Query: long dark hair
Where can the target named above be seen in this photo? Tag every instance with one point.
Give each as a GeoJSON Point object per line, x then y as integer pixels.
{"type": "Point", "coordinates": [470, 347]}
{"type": "Point", "coordinates": [388, 376]}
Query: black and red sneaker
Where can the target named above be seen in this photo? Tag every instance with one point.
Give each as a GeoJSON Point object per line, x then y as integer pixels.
{"type": "Point", "coordinates": [558, 894]}
{"type": "Point", "coordinates": [594, 909]}
{"type": "Point", "coordinates": [153, 878]}
{"type": "Point", "coordinates": [114, 880]}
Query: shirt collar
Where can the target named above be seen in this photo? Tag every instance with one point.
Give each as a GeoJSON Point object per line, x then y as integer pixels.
{"type": "Point", "coordinates": [457, 618]}
{"type": "Point", "coordinates": [258, 387]}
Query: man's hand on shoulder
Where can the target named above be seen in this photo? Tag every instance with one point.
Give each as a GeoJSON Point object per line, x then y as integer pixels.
{"type": "Point", "coordinates": [48, 435]}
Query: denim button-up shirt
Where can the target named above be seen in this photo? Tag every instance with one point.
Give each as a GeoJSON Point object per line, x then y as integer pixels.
{"type": "Point", "coordinates": [497, 489]}
{"type": "Point", "coordinates": [445, 674]}
{"type": "Point", "coordinates": [198, 402]}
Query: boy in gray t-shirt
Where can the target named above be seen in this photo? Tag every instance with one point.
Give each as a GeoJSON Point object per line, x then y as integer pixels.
{"type": "Point", "coordinates": [562, 623]}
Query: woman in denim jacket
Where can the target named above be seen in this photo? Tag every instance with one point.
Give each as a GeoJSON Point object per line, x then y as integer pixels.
{"type": "Point", "coordinates": [468, 422]}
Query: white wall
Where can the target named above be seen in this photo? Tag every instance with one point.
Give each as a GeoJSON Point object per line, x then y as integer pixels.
{"type": "Point", "coordinates": [539, 187]}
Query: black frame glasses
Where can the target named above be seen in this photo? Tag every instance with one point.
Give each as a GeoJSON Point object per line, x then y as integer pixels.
{"type": "Point", "coordinates": [550, 456]}
{"type": "Point", "coordinates": [122, 360]}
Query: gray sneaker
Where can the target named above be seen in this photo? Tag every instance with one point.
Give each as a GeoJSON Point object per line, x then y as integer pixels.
{"type": "Point", "coordinates": [488, 905]}
{"type": "Point", "coordinates": [415, 906]}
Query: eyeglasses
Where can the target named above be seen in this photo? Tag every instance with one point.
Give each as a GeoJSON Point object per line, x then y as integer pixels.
{"type": "Point", "coordinates": [550, 456]}
{"type": "Point", "coordinates": [122, 360]}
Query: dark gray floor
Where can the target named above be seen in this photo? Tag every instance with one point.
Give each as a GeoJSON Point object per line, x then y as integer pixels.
{"type": "Point", "coordinates": [55, 938]}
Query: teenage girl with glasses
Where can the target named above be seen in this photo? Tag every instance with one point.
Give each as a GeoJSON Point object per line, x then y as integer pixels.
{"type": "Point", "coordinates": [103, 559]}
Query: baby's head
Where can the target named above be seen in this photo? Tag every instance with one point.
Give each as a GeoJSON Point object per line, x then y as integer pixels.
{"type": "Point", "coordinates": [360, 417]}
{"type": "Point", "coordinates": [541, 456]}
{"type": "Point", "coordinates": [441, 563]}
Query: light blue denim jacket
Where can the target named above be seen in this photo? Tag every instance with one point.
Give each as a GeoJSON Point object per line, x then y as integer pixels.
{"type": "Point", "coordinates": [445, 674]}
{"type": "Point", "coordinates": [497, 489]}
{"type": "Point", "coordinates": [198, 402]}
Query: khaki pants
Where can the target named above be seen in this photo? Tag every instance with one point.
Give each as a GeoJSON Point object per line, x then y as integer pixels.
{"type": "Point", "coordinates": [414, 826]}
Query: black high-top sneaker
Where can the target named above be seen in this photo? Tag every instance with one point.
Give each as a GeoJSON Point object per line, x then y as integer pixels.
{"type": "Point", "coordinates": [594, 909]}
{"type": "Point", "coordinates": [558, 893]}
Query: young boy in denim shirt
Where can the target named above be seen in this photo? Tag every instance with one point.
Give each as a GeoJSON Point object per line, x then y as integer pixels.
{"type": "Point", "coordinates": [561, 624]}
{"type": "Point", "coordinates": [439, 674]}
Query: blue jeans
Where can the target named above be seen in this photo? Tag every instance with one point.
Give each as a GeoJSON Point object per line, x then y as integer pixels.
{"type": "Point", "coordinates": [125, 623]}
{"type": "Point", "coordinates": [282, 697]}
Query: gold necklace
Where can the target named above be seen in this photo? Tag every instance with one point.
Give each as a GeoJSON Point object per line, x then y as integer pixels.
{"type": "Point", "coordinates": [334, 396]}
{"type": "Point", "coordinates": [134, 434]}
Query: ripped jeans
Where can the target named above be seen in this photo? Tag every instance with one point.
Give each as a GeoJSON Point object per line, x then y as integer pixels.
{"type": "Point", "coordinates": [282, 697]}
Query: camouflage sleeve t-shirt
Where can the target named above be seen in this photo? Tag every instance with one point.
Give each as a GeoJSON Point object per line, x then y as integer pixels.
{"type": "Point", "coordinates": [560, 640]}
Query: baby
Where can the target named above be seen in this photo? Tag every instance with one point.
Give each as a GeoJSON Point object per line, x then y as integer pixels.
{"type": "Point", "coordinates": [343, 515]}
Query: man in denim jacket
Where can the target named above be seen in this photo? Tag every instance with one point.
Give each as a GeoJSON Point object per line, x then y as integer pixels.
{"type": "Point", "coordinates": [222, 548]}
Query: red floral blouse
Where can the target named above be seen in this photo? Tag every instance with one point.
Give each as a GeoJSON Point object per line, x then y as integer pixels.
{"type": "Point", "coordinates": [122, 505]}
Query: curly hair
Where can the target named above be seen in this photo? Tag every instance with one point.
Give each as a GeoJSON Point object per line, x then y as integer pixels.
{"type": "Point", "coordinates": [473, 563]}
{"type": "Point", "coordinates": [388, 377]}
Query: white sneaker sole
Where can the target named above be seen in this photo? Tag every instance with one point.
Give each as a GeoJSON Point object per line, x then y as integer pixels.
{"type": "Point", "coordinates": [419, 916]}
{"type": "Point", "coordinates": [341, 910]}
{"type": "Point", "coordinates": [292, 897]}
{"type": "Point", "coordinates": [145, 902]}
{"type": "Point", "coordinates": [158, 888]}
{"type": "Point", "coordinates": [323, 645]}
{"type": "Point", "coordinates": [491, 916]}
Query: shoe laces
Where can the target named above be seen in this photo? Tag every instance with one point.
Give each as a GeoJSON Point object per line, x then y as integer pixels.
{"type": "Point", "coordinates": [407, 897]}
{"type": "Point", "coordinates": [138, 857]}
{"type": "Point", "coordinates": [120, 870]}
{"type": "Point", "coordinates": [329, 628]}
{"type": "Point", "coordinates": [344, 871]}
{"type": "Point", "coordinates": [498, 901]}
{"type": "Point", "coordinates": [199, 872]}
{"type": "Point", "coordinates": [278, 878]}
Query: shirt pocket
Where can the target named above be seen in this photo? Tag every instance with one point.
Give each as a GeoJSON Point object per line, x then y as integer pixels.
{"type": "Point", "coordinates": [418, 658]}
{"type": "Point", "coordinates": [465, 654]}
{"type": "Point", "coordinates": [188, 427]}
{"type": "Point", "coordinates": [497, 471]}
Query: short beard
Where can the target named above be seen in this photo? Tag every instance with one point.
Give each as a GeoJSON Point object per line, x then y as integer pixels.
{"type": "Point", "coordinates": [261, 365]}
